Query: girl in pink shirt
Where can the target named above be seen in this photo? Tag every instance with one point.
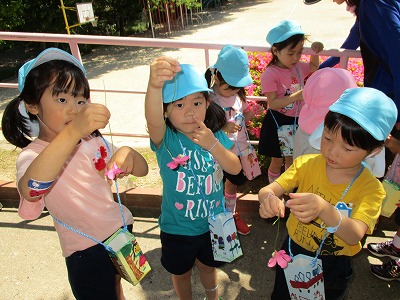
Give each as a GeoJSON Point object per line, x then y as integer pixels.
{"type": "Point", "coordinates": [63, 168]}
{"type": "Point", "coordinates": [282, 84]}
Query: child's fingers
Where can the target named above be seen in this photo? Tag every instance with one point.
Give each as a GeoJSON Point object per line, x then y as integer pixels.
{"type": "Point", "coordinates": [166, 65]}
{"type": "Point", "coordinates": [200, 122]}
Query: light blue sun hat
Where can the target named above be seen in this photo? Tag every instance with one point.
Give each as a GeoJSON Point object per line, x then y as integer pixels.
{"type": "Point", "coordinates": [233, 64]}
{"type": "Point", "coordinates": [45, 56]}
{"type": "Point", "coordinates": [186, 82]}
{"type": "Point", "coordinates": [370, 108]}
{"type": "Point", "coordinates": [284, 30]}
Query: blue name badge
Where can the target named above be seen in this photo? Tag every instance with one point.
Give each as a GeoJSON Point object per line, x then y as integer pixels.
{"type": "Point", "coordinates": [344, 209]}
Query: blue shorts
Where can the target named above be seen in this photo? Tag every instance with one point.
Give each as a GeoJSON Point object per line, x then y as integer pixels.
{"type": "Point", "coordinates": [91, 273]}
{"type": "Point", "coordinates": [179, 252]}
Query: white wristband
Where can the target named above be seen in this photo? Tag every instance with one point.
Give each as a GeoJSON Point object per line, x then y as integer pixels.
{"type": "Point", "coordinates": [212, 147]}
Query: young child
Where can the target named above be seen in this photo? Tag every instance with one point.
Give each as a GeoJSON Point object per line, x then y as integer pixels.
{"type": "Point", "coordinates": [356, 126]}
{"type": "Point", "coordinates": [227, 78]}
{"type": "Point", "coordinates": [282, 83]}
{"type": "Point", "coordinates": [63, 168]}
{"type": "Point", "coordinates": [323, 88]}
{"type": "Point", "coordinates": [192, 150]}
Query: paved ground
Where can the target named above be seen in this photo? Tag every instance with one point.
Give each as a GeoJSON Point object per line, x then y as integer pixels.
{"type": "Point", "coordinates": [31, 265]}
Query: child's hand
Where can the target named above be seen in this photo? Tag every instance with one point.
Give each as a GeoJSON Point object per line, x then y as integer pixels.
{"type": "Point", "coordinates": [305, 206]}
{"type": "Point", "coordinates": [202, 135]}
{"type": "Point", "coordinates": [129, 161]}
{"type": "Point", "coordinates": [162, 69]}
{"type": "Point", "coordinates": [91, 117]}
{"type": "Point", "coordinates": [317, 47]}
{"type": "Point", "coordinates": [231, 127]}
{"type": "Point", "coordinates": [272, 206]}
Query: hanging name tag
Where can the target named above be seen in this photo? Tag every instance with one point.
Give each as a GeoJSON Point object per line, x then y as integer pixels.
{"type": "Point", "coordinates": [304, 278]}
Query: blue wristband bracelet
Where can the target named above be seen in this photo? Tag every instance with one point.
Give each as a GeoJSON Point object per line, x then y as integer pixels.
{"type": "Point", "coordinates": [333, 229]}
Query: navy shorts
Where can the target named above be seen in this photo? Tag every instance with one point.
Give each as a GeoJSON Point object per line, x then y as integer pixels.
{"type": "Point", "coordinates": [268, 144]}
{"type": "Point", "coordinates": [179, 252]}
{"type": "Point", "coordinates": [238, 179]}
{"type": "Point", "coordinates": [91, 273]}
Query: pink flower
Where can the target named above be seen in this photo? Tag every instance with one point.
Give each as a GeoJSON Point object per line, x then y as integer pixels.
{"type": "Point", "coordinates": [113, 172]}
{"type": "Point", "coordinates": [279, 257]}
{"type": "Point", "coordinates": [180, 160]}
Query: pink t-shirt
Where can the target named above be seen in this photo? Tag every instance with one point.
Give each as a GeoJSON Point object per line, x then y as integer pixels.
{"type": "Point", "coordinates": [80, 196]}
{"type": "Point", "coordinates": [285, 82]}
{"type": "Point", "coordinates": [234, 109]}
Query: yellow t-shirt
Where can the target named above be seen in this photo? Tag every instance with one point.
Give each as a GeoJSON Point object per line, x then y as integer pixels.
{"type": "Point", "coordinates": [366, 194]}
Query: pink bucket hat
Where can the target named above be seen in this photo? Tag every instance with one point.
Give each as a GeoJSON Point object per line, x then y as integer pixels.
{"type": "Point", "coordinates": [322, 89]}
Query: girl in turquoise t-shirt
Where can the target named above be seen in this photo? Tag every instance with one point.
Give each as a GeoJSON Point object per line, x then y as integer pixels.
{"type": "Point", "coordinates": [192, 151]}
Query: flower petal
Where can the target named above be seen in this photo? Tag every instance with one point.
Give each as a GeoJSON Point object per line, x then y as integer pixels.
{"type": "Point", "coordinates": [181, 159]}
{"type": "Point", "coordinates": [272, 262]}
{"type": "Point", "coordinates": [113, 172]}
{"type": "Point", "coordinates": [172, 165]}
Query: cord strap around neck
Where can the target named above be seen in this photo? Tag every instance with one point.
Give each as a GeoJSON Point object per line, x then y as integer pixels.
{"type": "Point", "coordinates": [329, 229]}
{"type": "Point", "coordinates": [125, 228]}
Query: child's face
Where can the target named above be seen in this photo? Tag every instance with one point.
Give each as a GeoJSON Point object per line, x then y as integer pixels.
{"type": "Point", "coordinates": [289, 57]}
{"type": "Point", "coordinates": [223, 89]}
{"type": "Point", "coordinates": [181, 112]}
{"type": "Point", "coordinates": [339, 154]}
{"type": "Point", "coordinates": [57, 111]}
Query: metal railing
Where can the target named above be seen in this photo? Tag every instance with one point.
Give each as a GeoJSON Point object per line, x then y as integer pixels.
{"type": "Point", "coordinates": [75, 40]}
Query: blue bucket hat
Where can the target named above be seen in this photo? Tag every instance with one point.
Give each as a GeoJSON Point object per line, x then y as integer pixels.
{"type": "Point", "coordinates": [284, 30]}
{"type": "Point", "coordinates": [186, 82]}
{"type": "Point", "coordinates": [233, 64]}
{"type": "Point", "coordinates": [370, 108]}
{"type": "Point", "coordinates": [45, 56]}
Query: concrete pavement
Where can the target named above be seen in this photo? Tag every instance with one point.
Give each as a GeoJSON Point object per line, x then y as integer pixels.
{"type": "Point", "coordinates": [32, 268]}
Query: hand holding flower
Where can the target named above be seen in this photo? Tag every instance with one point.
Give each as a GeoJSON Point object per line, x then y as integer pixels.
{"type": "Point", "coordinates": [113, 172]}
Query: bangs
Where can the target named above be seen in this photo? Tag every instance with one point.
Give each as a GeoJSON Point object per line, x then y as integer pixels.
{"type": "Point", "coordinates": [71, 82]}
{"type": "Point", "coordinates": [351, 132]}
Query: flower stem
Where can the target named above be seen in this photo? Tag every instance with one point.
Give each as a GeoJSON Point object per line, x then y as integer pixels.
{"type": "Point", "coordinates": [277, 233]}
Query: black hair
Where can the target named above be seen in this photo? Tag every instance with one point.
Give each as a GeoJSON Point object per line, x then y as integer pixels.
{"type": "Point", "coordinates": [63, 75]}
{"type": "Point", "coordinates": [292, 42]}
{"type": "Point", "coordinates": [352, 133]}
{"type": "Point", "coordinates": [215, 118]}
{"type": "Point", "coordinates": [208, 76]}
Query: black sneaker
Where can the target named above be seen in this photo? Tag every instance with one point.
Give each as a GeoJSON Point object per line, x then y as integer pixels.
{"type": "Point", "coordinates": [388, 271]}
{"type": "Point", "coordinates": [384, 249]}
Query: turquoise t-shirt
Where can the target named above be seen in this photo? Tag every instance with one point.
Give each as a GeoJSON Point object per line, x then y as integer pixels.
{"type": "Point", "coordinates": [191, 192]}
